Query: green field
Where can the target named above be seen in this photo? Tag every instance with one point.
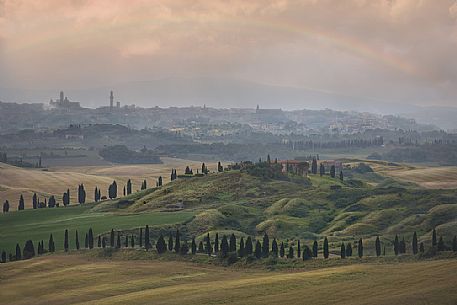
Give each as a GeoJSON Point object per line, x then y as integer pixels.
{"type": "Point", "coordinates": [79, 279]}
{"type": "Point", "coordinates": [37, 225]}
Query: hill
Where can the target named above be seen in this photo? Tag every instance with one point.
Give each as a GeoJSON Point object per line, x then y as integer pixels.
{"type": "Point", "coordinates": [84, 280]}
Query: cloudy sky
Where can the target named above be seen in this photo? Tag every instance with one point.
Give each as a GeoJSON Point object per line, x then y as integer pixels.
{"type": "Point", "coordinates": [401, 51]}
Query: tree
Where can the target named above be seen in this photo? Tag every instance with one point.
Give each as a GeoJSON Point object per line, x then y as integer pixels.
{"type": "Point", "coordinates": [360, 248]}
{"type": "Point", "coordinates": [326, 248]}
{"type": "Point", "coordinates": [160, 181]}
{"type": "Point", "coordinates": [21, 204]}
{"type": "Point", "coordinates": [141, 237]}
{"type": "Point", "coordinates": [129, 187]}
{"type": "Point", "coordinates": [132, 241]}
{"type": "Point", "coordinates": [193, 246]}
{"type": "Point", "coordinates": [268, 159]}
{"type": "Point", "coordinates": [111, 239]}
{"type": "Point", "coordinates": [434, 243]}
{"type": "Point", "coordinates": [35, 201]}
{"type": "Point", "coordinates": [291, 252]}
{"type": "Point", "coordinates": [440, 245]}
{"type": "Point", "coordinates": [341, 176]}
{"type": "Point", "coordinates": [118, 242]}
{"type": "Point", "coordinates": [307, 254]}
{"type": "Point", "coordinates": [241, 251]}
{"type": "Point", "coordinates": [18, 253]}
{"type": "Point", "coordinates": [343, 251]}
{"type": "Point", "coordinates": [51, 245]}
{"type": "Point", "coordinates": [321, 170]}
{"type": "Point", "coordinates": [66, 198]}
{"type": "Point", "coordinates": [3, 259]}
{"type": "Point", "coordinates": [348, 250]}
{"type": "Point", "coordinates": [282, 251]}
{"type": "Point", "coordinates": [178, 242]}
{"type": "Point", "coordinates": [224, 247]}
{"type": "Point", "coordinates": [96, 198]}
{"type": "Point", "coordinates": [81, 194]}
{"type": "Point", "coordinates": [126, 244]}
{"type": "Point", "coordinates": [402, 246]}
{"type": "Point", "coordinates": [52, 202]}
{"type": "Point", "coordinates": [147, 244]}
{"type": "Point", "coordinates": [332, 171]}
{"type": "Point", "coordinates": [265, 245]}
{"type": "Point", "coordinates": [421, 247]}
{"type": "Point", "coordinates": [208, 245]}
{"type": "Point", "coordinates": [86, 241]}
{"type": "Point", "coordinates": [65, 242]}
{"type": "Point", "coordinates": [314, 166]}
{"type": "Point", "coordinates": [454, 244]}
{"type": "Point", "coordinates": [220, 168]}
{"type": "Point", "coordinates": [29, 250]}
{"type": "Point", "coordinates": [99, 242]}
{"type": "Point", "coordinates": [170, 243]}
{"type": "Point", "coordinates": [6, 206]}
{"type": "Point", "coordinates": [315, 248]}
{"type": "Point", "coordinates": [414, 243]}
{"type": "Point", "coordinates": [216, 242]}
{"type": "Point", "coordinates": [103, 242]}
{"type": "Point", "coordinates": [274, 247]}
{"type": "Point", "coordinates": [378, 246]}
{"type": "Point", "coordinates": [91, 238]}
{"type": "Point", "coordinates": [77, 240]}
{"type": "Point", "coordinates": [125, 193]}
{"type": "Point", "coordinates": [248, 246]}
{"type": "Point", "coordinates": [161, 247]}
{"type": "Point", "coordinates": [396, 245]}
{"type": "Point", "coordinates": [298, 249]}
{"type": "Point", "coordinates": [232, 244]}
{"type": "Point", "coordinates": [258, 250]}
{"type": "Point", "coordinates": [112, 190]}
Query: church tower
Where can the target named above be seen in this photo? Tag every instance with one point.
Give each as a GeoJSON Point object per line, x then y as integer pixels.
{"type": "Point", "coordinates": [111, 100]}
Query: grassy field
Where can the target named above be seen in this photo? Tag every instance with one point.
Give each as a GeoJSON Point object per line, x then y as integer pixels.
{"type": "Point", "coordinates": [428, 177]}
{"type": "Point", "coordinates": [37, 225]}
{"type": "Point", "coordinates": [15, 181]}
{"type": "Point", "coordinates": [77, 279]}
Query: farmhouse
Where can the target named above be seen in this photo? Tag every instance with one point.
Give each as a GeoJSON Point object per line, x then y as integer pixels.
{"type": "Point", "coordinates": [295, 166]}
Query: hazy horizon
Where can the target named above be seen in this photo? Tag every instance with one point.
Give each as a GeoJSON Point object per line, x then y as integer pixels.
{"type": "Point", "coordinates": [351, 55]}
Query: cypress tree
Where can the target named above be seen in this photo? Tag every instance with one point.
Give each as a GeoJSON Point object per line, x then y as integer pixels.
{"type": "Point", "coordinates": [91, 238]}
{"type": "Point", "coordinates": [265, 245]}
{"type": "Point", "coordinates": [18, 253]}
{"type": "Point", "coordinates": [200, 247]}
{"type": "Point", "coordinates": [232, 244]}
{"type": "Point", "coordinates": [170, 243]}
{"type": "Point", "coordinates": [348, 250]}
{"type": "Point", "coordinates": [6, 206]}
{"type": "Point", "coordinates": [291, 252]}
{"type": "Point", "coordinates": [111, 239]}
{"type": "Point", "coordinates": [307, 254]}
{"type": "Point", "coordinates": [99, 243]}
{"type": "Point", "coordinates": [440, 245]}
{"type": "Point", "coordinates": [65, 242]}
{"type": "Point", "coordinates": [51, 245]}
{"type": "Point", "coordinates": [321, 170]}
{"type": "Point", "coordinates": [299, 248]}
{"type": "Point", "coordinates": [248, 246]}
{"type": "Point", "coordinates": [193, 246]}
{"type": "Point", "coordinates": [360, 248]}
{"type": "Point", "coordinates": [414, 243]}
{"type": "Point", "coordinates": [3, 257]}
{"type": "Point", "coordinates": [178, 241]}
{"type": "Point", "coordinates": [147, 244]}
{"type": "Point", "coordinates": [315, 248]}
{"type": "Point", "coordinates": [224, 246]}
{"type": "Point", "coordinates": [96, 195]}
{"type": "Point", "coordinates": [216, 242]}
{"type": "Point", "coordinates": [132, 241]}
{"type": "Point", "coordinates": [118, 243]}
{"type": "Point", "coordinates": [77, 240]}
{"type": "Point", "coordinates": [160, 245]}
{"type": "Point", "coordinates": [326, 248]}
{"type": "Point", "coordinates": [403, 246]}
{"type": "Point", "coordinates": [454, 244]}
{"type": "Point", "coordinates": [86, 241]}
{"type": "Point", "coordinates": [421, 247]}
{"type": "Point", "coordinates": [332, 171]}
{"type": "Point", "coordinates": [126, 245]}
{"type": "Point", "coordinates": [208, 245]}
{"type": "Point", "coordinates": [384, 251]}
{"type": "Point", "coordinates": [378, 246]}
{"type": "Point", "coordinates": [29, 250]}
{"type": "Point", "coordinates": [35, 201]}
{"type": "Point", "coordinates": [141, 237]}
{"type": "Point", "coordinates": [396, 245]}
{"type": "Point", "coordinates": [282, 251]}
{"type": "Point", "coordinates": [434, 243]}
{"type": "Point", "coordinates": [343, 251]}
{"type": "Point", "coordinates": [341, 176]}
{"type": "Point", "coordinates": [21, 204]}
{"type": "Point", "coordinates": [258, 250]}
{"type": "Point", "coordinates": [103, 242]}
{"type": "Point", "coordinates": [241, 251]}
{"type": "Point", "coordinates": [129, 187]}
{"type": "Point", "coordinates": [274, 247]}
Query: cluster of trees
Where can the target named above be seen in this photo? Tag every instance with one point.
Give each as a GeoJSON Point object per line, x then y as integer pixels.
{"type": "Point", "coordinates": [356, 143]}
{"type": "Point", "coordinates": [112, 190]}
{"type": "Point", "coordinates": [173, 174]}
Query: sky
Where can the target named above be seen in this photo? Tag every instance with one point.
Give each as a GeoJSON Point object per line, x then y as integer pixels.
{"type": "Point", "coordinates": [393, 51]}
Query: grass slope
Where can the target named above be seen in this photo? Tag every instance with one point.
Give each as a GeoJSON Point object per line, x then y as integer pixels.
{"type": "Point", "coordinates": [71, 279]}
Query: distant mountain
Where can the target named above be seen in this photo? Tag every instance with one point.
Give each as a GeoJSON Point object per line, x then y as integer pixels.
{"type": "Point", "coordinates": [225, 93]}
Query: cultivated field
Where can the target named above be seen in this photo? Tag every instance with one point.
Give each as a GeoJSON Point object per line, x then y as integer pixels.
{"type": "Point", "coordinates": [15, 181]}
{"type": "Point", "coordinates": [76, 279]}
